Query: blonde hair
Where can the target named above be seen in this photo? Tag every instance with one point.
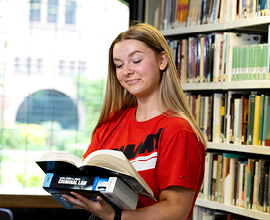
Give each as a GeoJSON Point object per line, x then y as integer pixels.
{"type": "Point", "coordinates": [171, 94]}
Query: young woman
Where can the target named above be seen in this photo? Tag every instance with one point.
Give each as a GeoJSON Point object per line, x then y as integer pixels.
{"type": "Point", "coordinates": [145, 114]}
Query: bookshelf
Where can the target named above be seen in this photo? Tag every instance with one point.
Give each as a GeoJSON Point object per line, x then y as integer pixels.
{"type": "Point", "coordinates": [252, 25]}
{"type": "Point", "coordinates": [232, 209]}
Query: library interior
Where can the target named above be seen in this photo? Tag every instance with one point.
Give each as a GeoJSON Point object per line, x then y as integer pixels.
{"type": "Point", "coordinates": [53, 70]}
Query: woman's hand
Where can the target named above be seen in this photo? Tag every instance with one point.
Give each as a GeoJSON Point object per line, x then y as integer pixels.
{"type": "Point", "coordinates": [100, 208]}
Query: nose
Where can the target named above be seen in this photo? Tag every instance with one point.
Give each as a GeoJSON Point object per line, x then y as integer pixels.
{"type": "Point", "coordinates": [128, 69]}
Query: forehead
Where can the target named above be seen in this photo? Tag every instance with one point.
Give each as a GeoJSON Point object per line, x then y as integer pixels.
{"type": "Point", "coordinates": [129, 46]}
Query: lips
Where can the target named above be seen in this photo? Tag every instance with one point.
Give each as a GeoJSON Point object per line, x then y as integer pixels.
{"type": "Point", "coordinates": [132, 81]}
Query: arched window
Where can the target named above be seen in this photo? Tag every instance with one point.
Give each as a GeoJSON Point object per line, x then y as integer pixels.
{"type": "Point", "coordinates": [48, 105]}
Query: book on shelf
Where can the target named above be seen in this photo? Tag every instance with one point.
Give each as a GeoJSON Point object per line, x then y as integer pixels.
{"type": "Point", "coordinates": [256, 128]}
{"type": "Point", "coordinates": [266, 122]}
{"type": "Point", "coordinates": [102, 163]}
{"type": "Point", "coordinates": [112, 189]}
{"type": "Point", "coordinates": [251, 116]}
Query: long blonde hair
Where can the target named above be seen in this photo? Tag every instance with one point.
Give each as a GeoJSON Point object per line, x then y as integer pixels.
{"type": "Point", "coordinates": [171, 94]}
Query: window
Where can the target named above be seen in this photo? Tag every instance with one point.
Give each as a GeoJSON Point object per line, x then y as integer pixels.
{"type": "Point", "coordinates": [28, 65]}
{"type": "Point", "coordinates": [35, 10]}
{"type": "Point", "coordinates": [52, 11]}
{"type": "Point", "coordinates": [39, 65]}
{"type": "Point", "coordinates": [72, 67]}
{"type": "Point", "coordinates": [71, 12]}
{"type": "Point", "coordinates": [82, 67]}
{"type": "Point", "coordinates": [48, 105]}
{"type": "Point", "coordinates": [61, 67]}
{"type": "Point", "coordinates": [17, 64]}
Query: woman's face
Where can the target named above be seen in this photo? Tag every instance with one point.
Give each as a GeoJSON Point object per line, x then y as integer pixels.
{"type": "Point", "coordinates": [138, 68]}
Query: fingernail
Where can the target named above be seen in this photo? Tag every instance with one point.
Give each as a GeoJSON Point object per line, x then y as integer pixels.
{"type": "Point", "coordinates": [99, 198]}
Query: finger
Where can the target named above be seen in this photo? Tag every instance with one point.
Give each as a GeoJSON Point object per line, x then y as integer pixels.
{"type": "Point", "coordinates": [82, 198]}
{"type": "Point", "coordinates": [77, 203]}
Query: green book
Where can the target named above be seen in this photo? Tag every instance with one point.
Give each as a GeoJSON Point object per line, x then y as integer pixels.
{"type": "Point", "coordinates": [260, 60]}
{"type": "Point", "coordinates": [246, 77]}
{"type": "Point", "coordinates": [264, 62]}
{"type": "Point", "coordinates": [261, 119]}
{"type": "Point", "coordinates": [266, 123]}
{"type": "Point", "coordinates": [251, 116]}
{"type": "Point", "coordinates": [234, 63]}
{"type": "Point", "coordinates": [251, 57]}
{"type": "Point", "coordinates": [240, 64]}
{"type": "Point", "coordinates": [255, 65]}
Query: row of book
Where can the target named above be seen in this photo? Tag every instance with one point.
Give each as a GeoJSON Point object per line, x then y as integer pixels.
{"type": "Point", "coordinates": [236, 179]}
{"type": "Point", "coordinates": [186, 13]}
{"type": "Point", "coordinates": [236, 118]}
{"type": "Point", "coordinates": [250, 62]}
{"type": "Point", "coordinates": [209, 57]}
{"type": "Point", "coordinates": [201, 213]}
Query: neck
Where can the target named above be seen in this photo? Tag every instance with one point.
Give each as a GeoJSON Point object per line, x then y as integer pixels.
{"type": "Point", "coordinates": [147, 109]}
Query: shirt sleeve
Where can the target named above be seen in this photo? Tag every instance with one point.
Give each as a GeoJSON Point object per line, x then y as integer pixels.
{"type": "Point", "coordinates": [181, 161]}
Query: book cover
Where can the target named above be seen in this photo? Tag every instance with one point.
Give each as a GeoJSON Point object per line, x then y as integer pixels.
{"type": "Point", "coordinates": [103, 163]}
{"type": "Point", "coordinates": [112, 189]}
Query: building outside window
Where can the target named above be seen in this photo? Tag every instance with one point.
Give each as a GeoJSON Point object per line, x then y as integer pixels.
{"type": "Point", "coordinates": [72, 67]}
{"type": "Point", "coordinates": [28, 65]}
{"type": "Point", "coordinates": [35, 10]}
{"type": "Point", "coordinates": [82, 67]}
{"type": "Point", "coordinates": [71, 12]}
{"type": "Point", "coordinates": [61, 67]}
{"type": "Point", "coordinates": [39, 65]}
{"type": "Point", "coordinates": [17, 64]}
{"type": "Point", "coordinates": [52, 11]}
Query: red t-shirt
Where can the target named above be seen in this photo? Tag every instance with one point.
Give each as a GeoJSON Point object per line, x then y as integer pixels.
{"type": "Point", "coordinates": [164, 150]}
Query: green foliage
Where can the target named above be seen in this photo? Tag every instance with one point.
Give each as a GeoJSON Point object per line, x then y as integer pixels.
{"type": "Point", "coordinates": [31, 135]}
{"type": "Point", "coordinates": [91, 93]}
{"type": "Point", "coordinates": [32, 181]}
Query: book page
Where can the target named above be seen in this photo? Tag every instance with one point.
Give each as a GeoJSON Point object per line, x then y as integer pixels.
{"type": "Point", "coordinates": [115, 161]}
{"type": "Point", "coordinates": [61, 156]}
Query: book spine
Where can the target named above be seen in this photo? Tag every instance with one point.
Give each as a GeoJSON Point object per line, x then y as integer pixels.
{"type": "Point", "coordinates": [251, 117]}
{"type": "Point", "coordinates": [257, 120]}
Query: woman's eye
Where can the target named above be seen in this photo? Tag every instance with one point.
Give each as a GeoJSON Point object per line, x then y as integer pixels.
{"type": "Point", "coordinates": [118, 66]}
{"type": "Point", "coordinates": [137, 61]}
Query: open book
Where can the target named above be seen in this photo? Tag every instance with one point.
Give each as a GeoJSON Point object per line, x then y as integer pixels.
{"type": "Point", "coordinates": [102, 163]}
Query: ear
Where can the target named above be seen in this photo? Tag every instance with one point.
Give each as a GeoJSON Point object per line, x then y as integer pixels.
{"type": "Point", "coordinates": [163, 61]}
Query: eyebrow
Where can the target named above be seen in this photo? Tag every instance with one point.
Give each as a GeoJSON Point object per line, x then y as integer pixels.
{"type": "Point", "coordinates": [130, 55]}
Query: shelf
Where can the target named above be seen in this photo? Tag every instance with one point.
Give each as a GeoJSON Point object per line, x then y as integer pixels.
{"type": "Point", "coordinates": [195, 29]}
{"type": "Point", "coordinates": [233, 209]}
{"type": "Point", "coordinates": [206, 86]}
{"type": "Point", "coordinates": [249, 24]}
{"type": "Point", "coordinates": [254, 149]}
{"type": "Point", "coordinates": [255, 84]}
